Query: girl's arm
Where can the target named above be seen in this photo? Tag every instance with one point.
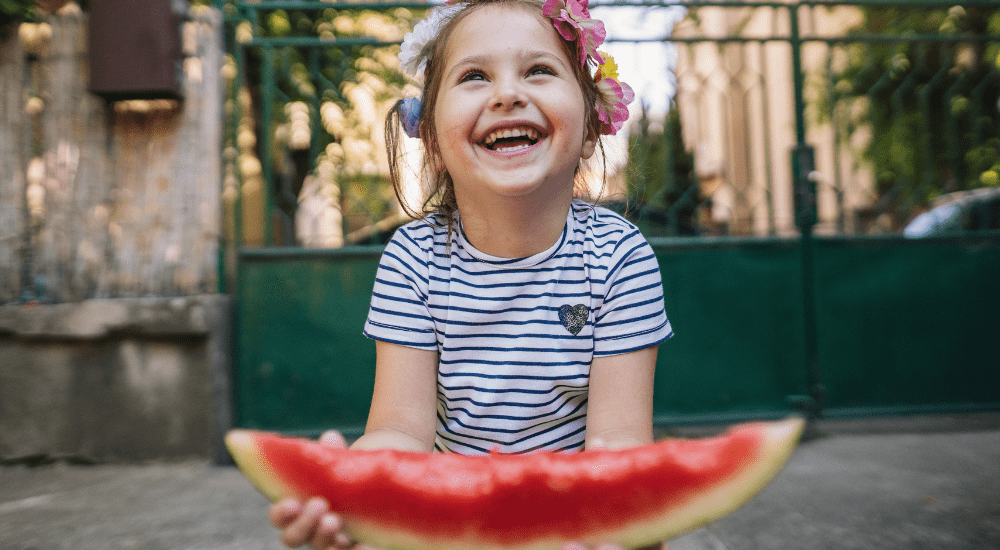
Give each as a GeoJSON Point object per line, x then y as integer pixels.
{"type": "Point", "coordinates": [404, 403]}
{"type": "Point", "coordinates": [402, 416]}
{"type": "Point", "coordinates": [620, 406]}
{"type": "Point", "coordinates": [620, 403]}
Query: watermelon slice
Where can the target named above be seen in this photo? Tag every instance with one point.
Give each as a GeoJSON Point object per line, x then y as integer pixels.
{"type": "Point", "coordinates": [416, 501]}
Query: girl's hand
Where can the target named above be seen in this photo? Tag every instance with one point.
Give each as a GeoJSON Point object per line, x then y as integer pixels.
{"type": "Point", "coordinates": [310, 522]}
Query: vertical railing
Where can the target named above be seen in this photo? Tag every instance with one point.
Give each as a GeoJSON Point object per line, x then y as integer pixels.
{"type": "Point", "coordinates": [804, 183]}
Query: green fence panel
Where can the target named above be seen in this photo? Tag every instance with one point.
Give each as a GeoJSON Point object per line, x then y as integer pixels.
{"type": "Point", "coordinates": [736, 309]}
{"type": "Point", "coordinates": [904, 325]}
{"type": "Point", "coordinates": [909, 324]}
{"type": "Point", "coordinates": [302, 363]}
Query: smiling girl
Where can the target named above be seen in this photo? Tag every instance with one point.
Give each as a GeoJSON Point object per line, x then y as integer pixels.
{"type": "Point", "coordinates": [511, 316]}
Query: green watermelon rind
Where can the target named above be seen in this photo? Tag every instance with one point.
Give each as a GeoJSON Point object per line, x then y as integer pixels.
{"type": "Point", "coordinates": [779, 441]}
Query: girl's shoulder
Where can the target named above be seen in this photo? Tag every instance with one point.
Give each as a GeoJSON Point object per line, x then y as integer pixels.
{"type": "Point", "coordinates": [425, 240]}
{"type": "Point", "coordinates": [433, 227]}
{"type": "Point", "coordinates": [601, 221]}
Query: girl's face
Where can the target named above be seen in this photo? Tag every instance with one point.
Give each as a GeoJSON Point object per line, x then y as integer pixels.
{"type": "Point", "coordinates": [509, 114]}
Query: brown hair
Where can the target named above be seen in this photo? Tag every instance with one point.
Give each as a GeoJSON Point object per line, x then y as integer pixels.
{"type": "Point", "coordinates": [441, 199]}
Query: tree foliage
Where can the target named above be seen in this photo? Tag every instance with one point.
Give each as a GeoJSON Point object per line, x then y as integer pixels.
{"type": "Point", "coordinates": [328, 101]}
{"type": "Point", "coordinates": [12, 11]}
{"type": "Point", "coordinates": [931, 101]}
{"type": "Point", "coordinates": [662, 188]}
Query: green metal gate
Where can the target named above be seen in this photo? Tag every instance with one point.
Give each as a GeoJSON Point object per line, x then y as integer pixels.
{"type": "Point", "coordinates": [789, 302]}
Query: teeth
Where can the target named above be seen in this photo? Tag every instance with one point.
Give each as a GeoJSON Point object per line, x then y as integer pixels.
{"type": "Point", "coordinates": [528, 132]}
{"type": "Point", "coordinates": [522, 146]}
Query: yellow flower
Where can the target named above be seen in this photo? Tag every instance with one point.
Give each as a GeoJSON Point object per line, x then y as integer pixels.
{"type": "Point", "coordinates": [608, 69]}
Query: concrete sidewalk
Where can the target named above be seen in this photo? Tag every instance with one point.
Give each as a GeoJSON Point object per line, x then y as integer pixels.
{"type": "Point", "coordinates": [857, 486]}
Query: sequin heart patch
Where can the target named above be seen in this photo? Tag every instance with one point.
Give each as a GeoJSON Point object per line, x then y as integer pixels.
{"type": "Point", "coordinates": [574, 318]}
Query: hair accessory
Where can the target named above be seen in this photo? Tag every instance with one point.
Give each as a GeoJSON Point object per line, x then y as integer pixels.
{"type": "Point", "coordinates": [613, 96]}
{"type": "Point", "coordinates": [415, 50]}
{"type": "Point", "coordinates": [409, 115]}
{"type": "Point", "coordinates": [572, 19]}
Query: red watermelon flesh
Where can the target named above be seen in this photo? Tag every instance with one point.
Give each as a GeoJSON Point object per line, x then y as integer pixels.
{"type": "Point", "coordinates": [418, 501]}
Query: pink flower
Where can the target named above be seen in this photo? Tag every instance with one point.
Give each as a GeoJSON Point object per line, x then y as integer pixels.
{"type": "Point", "coordinates": [613, 96]}
{"type": "Point", "coordinates": [572, 19]}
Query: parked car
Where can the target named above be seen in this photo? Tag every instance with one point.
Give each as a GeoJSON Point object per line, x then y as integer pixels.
{"type": "Point", "coordinates": [973, 210]}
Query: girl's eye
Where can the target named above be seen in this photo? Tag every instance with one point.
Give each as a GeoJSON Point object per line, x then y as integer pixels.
{"type": "Point", "coordinates": [541, 69]}
{"type": "Point", "coordinates": [472, 75]}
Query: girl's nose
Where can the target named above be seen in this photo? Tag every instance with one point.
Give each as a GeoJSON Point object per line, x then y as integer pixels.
{"type": "Point", "coordinates": [507, 95]}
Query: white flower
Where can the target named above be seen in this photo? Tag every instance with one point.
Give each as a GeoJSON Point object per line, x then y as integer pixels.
{"type": "Point", "coordinates": [415, 49]}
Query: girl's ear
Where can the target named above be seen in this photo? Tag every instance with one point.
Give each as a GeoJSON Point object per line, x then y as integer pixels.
{"type": "Point", "coordinates": [430, 146]}
{"type": "Point", "coordinates": [589, 145]}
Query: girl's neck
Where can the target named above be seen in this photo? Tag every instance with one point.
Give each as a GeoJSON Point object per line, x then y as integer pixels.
{"type": "Point", "coordinates": [515, 228]}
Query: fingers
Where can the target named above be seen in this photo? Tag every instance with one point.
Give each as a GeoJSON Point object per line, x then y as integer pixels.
{"type": "Point", "coordinates": [305, 527]}
{"type": "Point", "coordinates": [329, 534]}
{"type": "Point", "coordinates": [283, 513]}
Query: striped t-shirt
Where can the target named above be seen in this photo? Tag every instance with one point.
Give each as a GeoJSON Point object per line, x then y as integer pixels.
{"type": "Point", "coordinates": [516, 336]}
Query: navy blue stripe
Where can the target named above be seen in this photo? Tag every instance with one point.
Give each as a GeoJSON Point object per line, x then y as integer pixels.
{"type": "Point", "coordinates": [571, 447]}
{"type": "Point", "coordinates": [502, 322]}
{"type": "Point", "coordinates": [632, 334]}
{"type": "Point", "coordinates": [407, 315]}
{"type": "Point", "coordinates": [511, 376]}
{"type": "Point", "coordinates": [535, 350]}
{"type": "Point", "coordinates": [557, 440]}
{"type": "Point", "coordinates": [500, 272]}
{"type": "Point", "coordinates": [514, 284]}
{"type": "Point", "coordinates": [379, 280]}
{"type": "Point", "coordinates": [470, 414]}
{"type": "Point", "coordinates": [633, 320]}
{"type": "Point", "coordinates": [614, 269]}
{"type": "Point", "coordinates": [523, 439]}
{"type": "Point", "coordinates": [449, 399]}
{"type": "Point", "coordinates": [420, 245]}
{"type": "Point", "coordinates": [622, 351]}
{"type": "Point", "coordinates": [621, 295]}
{"type": "Point", "coordinates": [404, 263]}
{"type": "Point", "coordinates": [513, 363]}
{"type": "Point", "coordinates": [566, 336]}
{"type": "Point", "coordinates": [511, 298]}
{"type": "Point", "coordinates": [496, 311]}
{"type": "Point", "coordinates": [420, 345]}
{"type": "Point", "coordinates": [550, 418]}
{"type": "Point", "coordinates": [414, 285]}
{"type": "Point", "coordinates": [654, 271]}
{"type": "Point", "coordinates": [479, 389]}
{"type": "Point", "coordinates": [397, 299]}
{"type": "Point", "coordinates": [467, 445]}
{"type": "Point", "coordinates": [656, 300]}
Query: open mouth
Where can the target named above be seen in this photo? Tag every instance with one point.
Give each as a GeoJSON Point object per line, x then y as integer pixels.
{"type": "Point", "coordinates": [511, 139]}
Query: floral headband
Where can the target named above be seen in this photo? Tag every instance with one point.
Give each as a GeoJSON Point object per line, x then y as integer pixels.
{"type": "Point", "coordinates": [572, 21]}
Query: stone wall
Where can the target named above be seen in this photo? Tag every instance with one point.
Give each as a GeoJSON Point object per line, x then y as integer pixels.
{"type": "Point", "coordinates": [102, 199]}
{"type": "Point", "coordinates": [115, 380]}
{"type": "Point", "coordinates": [114, 344]}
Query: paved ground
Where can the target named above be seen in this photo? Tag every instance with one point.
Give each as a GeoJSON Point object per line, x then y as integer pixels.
{"type": "Point", "coordinates": [931, 484]}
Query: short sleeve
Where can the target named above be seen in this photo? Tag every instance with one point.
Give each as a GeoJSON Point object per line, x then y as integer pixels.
{"type": "Point", "coordinates": [632, 315]}
{"type": "Point", "coordinates": [398, 313]}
